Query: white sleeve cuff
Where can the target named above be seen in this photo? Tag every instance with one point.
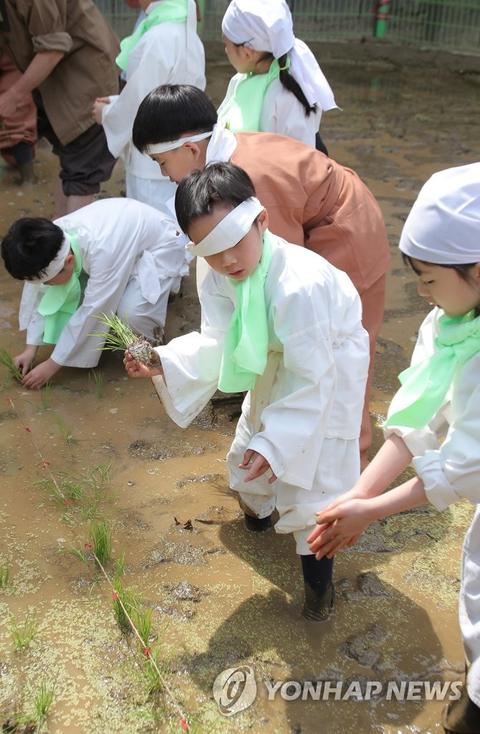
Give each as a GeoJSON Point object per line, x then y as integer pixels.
{"type": "Point", "coordinates": [437, 488]}
{"type": "Point", "coordinates": [417, 440]}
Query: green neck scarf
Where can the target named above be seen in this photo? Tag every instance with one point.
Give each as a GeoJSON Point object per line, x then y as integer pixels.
{"type": "Point", "coordinates": [173, 11]}
{"type": "Point", "coordinates": [61, 301]}
{"type": "Point", "coordinates": [244, 110]}
{"type": "Point", "coordinates": [425, 385]}
{"type": "Point", "coordinates": [246, 344]}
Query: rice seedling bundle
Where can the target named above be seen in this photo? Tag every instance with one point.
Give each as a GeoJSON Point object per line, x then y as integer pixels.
{"type": "Point", "coordinates": [121, 337]}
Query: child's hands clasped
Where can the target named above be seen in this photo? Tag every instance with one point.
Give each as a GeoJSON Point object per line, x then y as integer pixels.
{"type": "Point", "coordinates": [137, 369]}
{"type": "Point", "coordinates": [339, 526]}
{"type": "Point", "coordinates": [255, 464]}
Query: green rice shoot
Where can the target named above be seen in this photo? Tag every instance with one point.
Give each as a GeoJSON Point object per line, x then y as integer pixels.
{"type": "Point", "coordinates": [101, 539]}
{"type": "Point", "coordinates": [119, 337]}
{"type": "Point", "coordinates": [23, 633]}
{"type": "Point", "coordinates": [4, 576]}
{"type": "Point", "coordinates": [42, 704]}
{"type": "Point", "coordinates": [6, 360]}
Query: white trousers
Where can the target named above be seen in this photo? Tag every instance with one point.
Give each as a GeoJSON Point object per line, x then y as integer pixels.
{"type": "Point", "coordinates": [144, 317]}
{"type": "Point", "coordinates": [153, 191]}
{"type": "Point", "coordinates": [469, 606]}
{"type": "Point", "coordinates": [338, 471]}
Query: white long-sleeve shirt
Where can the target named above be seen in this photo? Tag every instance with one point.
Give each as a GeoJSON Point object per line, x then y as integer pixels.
{"type": "Point", "coordinates": [118, 238]}
{"type": "Point", "coordinates": [313, 386]}
{"type": "Point", "coordinates": [282, 113]}
{"type": "Point", "coordinates": [168, 53]}
{"type": "Point", "coordinates": [447, 451]}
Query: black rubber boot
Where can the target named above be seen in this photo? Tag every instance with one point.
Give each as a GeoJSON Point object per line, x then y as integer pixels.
{"type": "Point", "coordinates": [258, 524]}
{"type": "Point", "coordinates": [462, 716]}
{"type": "Point", "coordinates": [319, 589]}
{"type": "Point", "coordinates": [252, 522]}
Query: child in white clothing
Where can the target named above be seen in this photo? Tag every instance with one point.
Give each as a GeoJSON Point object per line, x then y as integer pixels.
{"type": "Point", "coordinates": [434, 419]}
{"type": "Point", "coordinates": [279, 86]}
{"type": "Point", "coordinates": [163, 49]}
{"type": "Point", "coordinates": [283, 324]}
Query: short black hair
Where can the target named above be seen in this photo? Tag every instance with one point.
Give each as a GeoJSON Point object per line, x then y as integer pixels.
{"type": "Point", "coordinates": [29, 247]}
{"type": "Point", "coordinates": [170, 111]}
{"type": "Point", "coordinates": [198, 192]}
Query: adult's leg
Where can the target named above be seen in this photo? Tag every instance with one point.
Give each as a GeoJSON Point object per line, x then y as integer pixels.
{"type": "Point", "coordinates": [373, 303]}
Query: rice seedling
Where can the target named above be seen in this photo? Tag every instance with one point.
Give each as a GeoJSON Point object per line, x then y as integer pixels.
{"type": "Point", "coordinates": [24, 633]}
{"type": "Point", "coordinates": [142, 619]}
{"type": "Point", "coordinates": [98, 379]}
{"type": "Point", "coordinates": [4, 576]}
{"type": "Point", "coordinates": [101, 540]}
{"type": "Point", "coordinates": [6, 360]}
{"type": "Point", "coordinates": [153, 683]}
{"type": "Point", "coordinates": [46, 395]}
{"type": "Point", "coordinates": [65, 431]}
{"type": "Point", "coordinates": [121, 337]}
{"type": "Point", "coordinates": [42, 704]}
{"type": "Point", "coordinates": [129, 599]}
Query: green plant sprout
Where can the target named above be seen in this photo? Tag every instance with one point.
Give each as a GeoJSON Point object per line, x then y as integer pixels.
{"type": "Point", "coordinates": [65, 431]}
{"type": "Point", "coordinates": [98, 379]}
{"type": "Point", "coordinates": [24, 633]}
{"type": "Point", "coordinates": [101, 540]}
{"type": "Point", "coordinates": [46, 395]}
{"type": "Point", "coordinates": [42, 704]}
{"type": "Point", "coordinates": [4, 576]}
{"type": "Point", "coordinates": [121, 337]}
{"type": "Point", "coordinates": [6, 360]}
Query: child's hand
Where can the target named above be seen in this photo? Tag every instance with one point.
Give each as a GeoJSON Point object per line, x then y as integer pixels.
{"type": "Point", "coordinates": [256, 465]}
{"type": "Point", "coordinates": [137, 369]}
{"type": "Point", "coordinates": [340, 526]}
{"type": "Point", "coordinates": [25, 359]}
{"type": "Point", "coordinates": [97, 109]}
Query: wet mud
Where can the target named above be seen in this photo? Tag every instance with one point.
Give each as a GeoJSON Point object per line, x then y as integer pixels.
{"type": "Point", "coordinates": [219, 596]}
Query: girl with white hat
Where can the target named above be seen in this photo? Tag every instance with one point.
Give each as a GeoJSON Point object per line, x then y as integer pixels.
{"type": "Point", "coordinates": [279, 86]}
{"type": "Point", "coordinates": [434, 418]}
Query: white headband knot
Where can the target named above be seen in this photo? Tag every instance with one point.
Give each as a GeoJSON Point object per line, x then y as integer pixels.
{"type": "Point", "coordinates": [230, 230]}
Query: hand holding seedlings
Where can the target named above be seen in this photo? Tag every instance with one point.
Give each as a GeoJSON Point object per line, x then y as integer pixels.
{"type": "Point", "coordinates": [135, 368]}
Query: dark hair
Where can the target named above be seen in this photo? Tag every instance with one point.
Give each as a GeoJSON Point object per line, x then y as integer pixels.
{"type": "Point", "coordinates": [170, 111]}
{"type": "Point", "coordinates": [29, 247]}
{"type": "Point", "coordinates": [462, 269]}
{"type": "Point", "coordinates": [290, 84]}
{"type": "Point", "coordinates": [198, 192]}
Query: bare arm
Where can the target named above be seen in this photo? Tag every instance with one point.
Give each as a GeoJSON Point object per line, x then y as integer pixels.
{"type": "Point", "coordinates": [37, 71]}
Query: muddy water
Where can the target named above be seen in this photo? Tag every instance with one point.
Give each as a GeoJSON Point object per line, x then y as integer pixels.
{"type": "Point", "coordinates": [221, 597]}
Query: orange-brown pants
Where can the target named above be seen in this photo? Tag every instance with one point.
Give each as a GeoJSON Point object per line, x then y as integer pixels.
{"type": "Point", "coordinates": [373, 304]}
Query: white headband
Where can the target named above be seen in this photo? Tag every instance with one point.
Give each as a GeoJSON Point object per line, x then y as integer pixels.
{"type": "Point", "coordinates": [230, 230]}
{"type": "Point", "coordinates": [55, 265]}
{"type": "Point", "coordinates": [172, 144]}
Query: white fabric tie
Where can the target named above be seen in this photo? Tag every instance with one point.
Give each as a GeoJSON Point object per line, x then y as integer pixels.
{"type": "Point", "coordinates": [443, 227]}
{"type": "Point", "coordinates": [230, 230]}
{"type": "Point", "coordinates": [173, 144]}
{"type": "Point", "coordinates": [55, 265]}
{"type": "Point", "coordinates": [221, 146]}
{"type": "Point", "coordinates": [267, 25]}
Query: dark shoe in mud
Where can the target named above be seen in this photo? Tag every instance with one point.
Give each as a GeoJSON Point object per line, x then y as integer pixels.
{"type": "Point", "coordinates": [318, 607]}
{"type": "Point", "coordinates": [462, 716]}
{"type": "Point", "coordinates": [258, 524]}
{"type": "Point", "coordinates": [27, 174]}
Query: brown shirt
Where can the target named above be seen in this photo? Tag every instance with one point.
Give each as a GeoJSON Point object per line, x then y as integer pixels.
{"type": "Point", "coordinates": [314, 201]}
{"type": "Point", "coordinates": [87, 70]}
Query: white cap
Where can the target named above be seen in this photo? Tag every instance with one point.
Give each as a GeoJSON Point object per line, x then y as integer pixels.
{"type": "Point", "coordinates": [443, 226]}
